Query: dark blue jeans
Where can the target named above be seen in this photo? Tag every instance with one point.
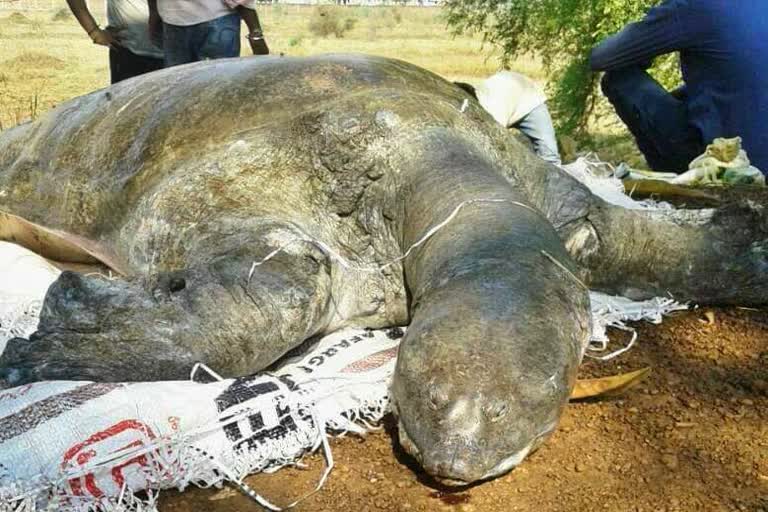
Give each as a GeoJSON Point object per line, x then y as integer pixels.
{"type": "Point", "coordinates": [657, 119]}
{"type": "Point", "coordinates": [215, 39]}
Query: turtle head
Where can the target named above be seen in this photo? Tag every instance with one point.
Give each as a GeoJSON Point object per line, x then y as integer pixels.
{"type": "Point", "coordinates": [475, 396]}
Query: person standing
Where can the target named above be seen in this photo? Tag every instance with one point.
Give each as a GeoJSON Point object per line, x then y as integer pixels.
{"type": "Point", "coordinates": [131, 52]}
{"type": "Point", "coordinates": [723, 46]}
{"type": "Point", "coordinates": [194, 30]}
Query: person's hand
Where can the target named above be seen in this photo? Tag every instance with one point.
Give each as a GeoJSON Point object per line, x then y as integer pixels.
{"type": "Point", "coordinates": [156, 29]}
{"type": "Point", "coordinates": [258, 44]}
{"type": "Point", "coordinates": [103, 38]}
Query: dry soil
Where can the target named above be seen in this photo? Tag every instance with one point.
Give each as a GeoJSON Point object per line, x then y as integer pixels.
{"type": "Point", "coordinates": [692, 437]}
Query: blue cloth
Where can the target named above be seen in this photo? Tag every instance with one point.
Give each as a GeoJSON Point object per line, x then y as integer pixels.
{"type": "Point", "coordinates": [537, 126]}
{"type": "Point", "coordinates": [723, 47]}
{"type": "Point", "coordinates": [215, 39]}
{"type": "Point", "coordinates": [657, 119]}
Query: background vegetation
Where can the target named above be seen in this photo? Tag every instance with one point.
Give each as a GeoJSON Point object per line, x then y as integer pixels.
{"type": "Point", "coordinates": [561, 33]}
{"type": "Point", "coordinates": [46, 59]}
{"type": "Point", "coordinates": [46, 55]}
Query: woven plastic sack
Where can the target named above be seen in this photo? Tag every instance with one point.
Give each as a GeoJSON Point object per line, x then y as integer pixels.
{"type": "Point", "coordinates": [81, 446]}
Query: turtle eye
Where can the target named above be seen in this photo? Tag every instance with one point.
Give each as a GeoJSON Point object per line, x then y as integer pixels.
{"type": "Point", "coordinates": [438, 396]}
{"type": "Point", "coordinates": [495, 410]}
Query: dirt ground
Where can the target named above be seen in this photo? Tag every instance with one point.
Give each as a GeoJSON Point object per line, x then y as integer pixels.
{"type": "Point", "coordinates": [692, 437]}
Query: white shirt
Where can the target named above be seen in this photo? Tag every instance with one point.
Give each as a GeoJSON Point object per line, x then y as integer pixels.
{"type": "Point", "coordinates": [509, 97]}
{"type": "Point", "coordinates": [191, 12]}
{"type": "Point", "coordinates": [129, 20]}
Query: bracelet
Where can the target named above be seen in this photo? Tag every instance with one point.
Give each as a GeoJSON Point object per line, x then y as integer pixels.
{"type": "Point", "coordinates": [93, 30]}
{"type": "Point", "coordinates": [255, 36]}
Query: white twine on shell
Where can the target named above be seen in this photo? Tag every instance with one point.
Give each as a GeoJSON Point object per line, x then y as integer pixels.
{"type": "Point", "coordinates": [601, 345]}
{"type": "Point", "coordinates": [350, 266]}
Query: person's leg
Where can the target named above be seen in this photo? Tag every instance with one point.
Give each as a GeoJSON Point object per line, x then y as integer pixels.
{"type": "Point", "coordinates": [222, 38]}
{"type": "Point", "coordinates": [658, 121]}
{"type": "Point", "coordinates": [177, 44]}
{"type": "Point", "coordinates": [538, 127]}
{"type": "Point", "coordinates": [115, 66]}
{"type": "Point", "coordinates": [125, 64]}
{"type": "Point", "coordinates": [144, 64]}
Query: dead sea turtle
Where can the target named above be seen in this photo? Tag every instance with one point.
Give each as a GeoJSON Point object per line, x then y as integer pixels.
{"type": "Point", "coordinates": [334, 167]}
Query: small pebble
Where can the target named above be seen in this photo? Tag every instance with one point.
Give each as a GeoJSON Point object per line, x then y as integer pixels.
{"type": "Point", "coordinates": [670, 461]}
{"type": "Point", "coordinates": [709, 317]}
{"type": "Point", "coordinates": [691, 404]}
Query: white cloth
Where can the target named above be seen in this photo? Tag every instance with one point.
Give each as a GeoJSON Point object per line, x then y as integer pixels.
{"type": "Point", "coordinates": [129, 20]}
{"type": "Point", "coordinates": [24, 280]}
{"type": "Point", "coordinates": [191, 12]}
{"type": "Point", "coordinates": [600, 178]}
{"type": "Point", "coordinates": [509, 97]}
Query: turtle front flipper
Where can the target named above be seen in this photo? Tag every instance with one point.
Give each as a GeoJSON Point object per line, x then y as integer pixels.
{"type": "Point", "coordinates": [157, 327]}
{"type": "Point", "coordinates": [713, 256]}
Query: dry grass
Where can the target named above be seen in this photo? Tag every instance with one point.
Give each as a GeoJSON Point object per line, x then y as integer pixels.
{"type": "Point", "coordinates": [18, 18]}
{"type": "Point", "coordinates": [328, 19]}
{"type": "Point", "coordinates": [43, 63]}
{"type": "Point", "coordinates": [417, 35]}
{"type": "Point", "coordinates": [33, 61]}
{"type": "Point", "coordinates": [63, 14]}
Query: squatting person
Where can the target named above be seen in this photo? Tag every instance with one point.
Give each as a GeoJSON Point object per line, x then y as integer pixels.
{"type": "Point", "coordinates": [723, 47]}
{"type": "Point", "coordinates": [515, 101]}
{"type": "Point", "coordinates": [131, 52]}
